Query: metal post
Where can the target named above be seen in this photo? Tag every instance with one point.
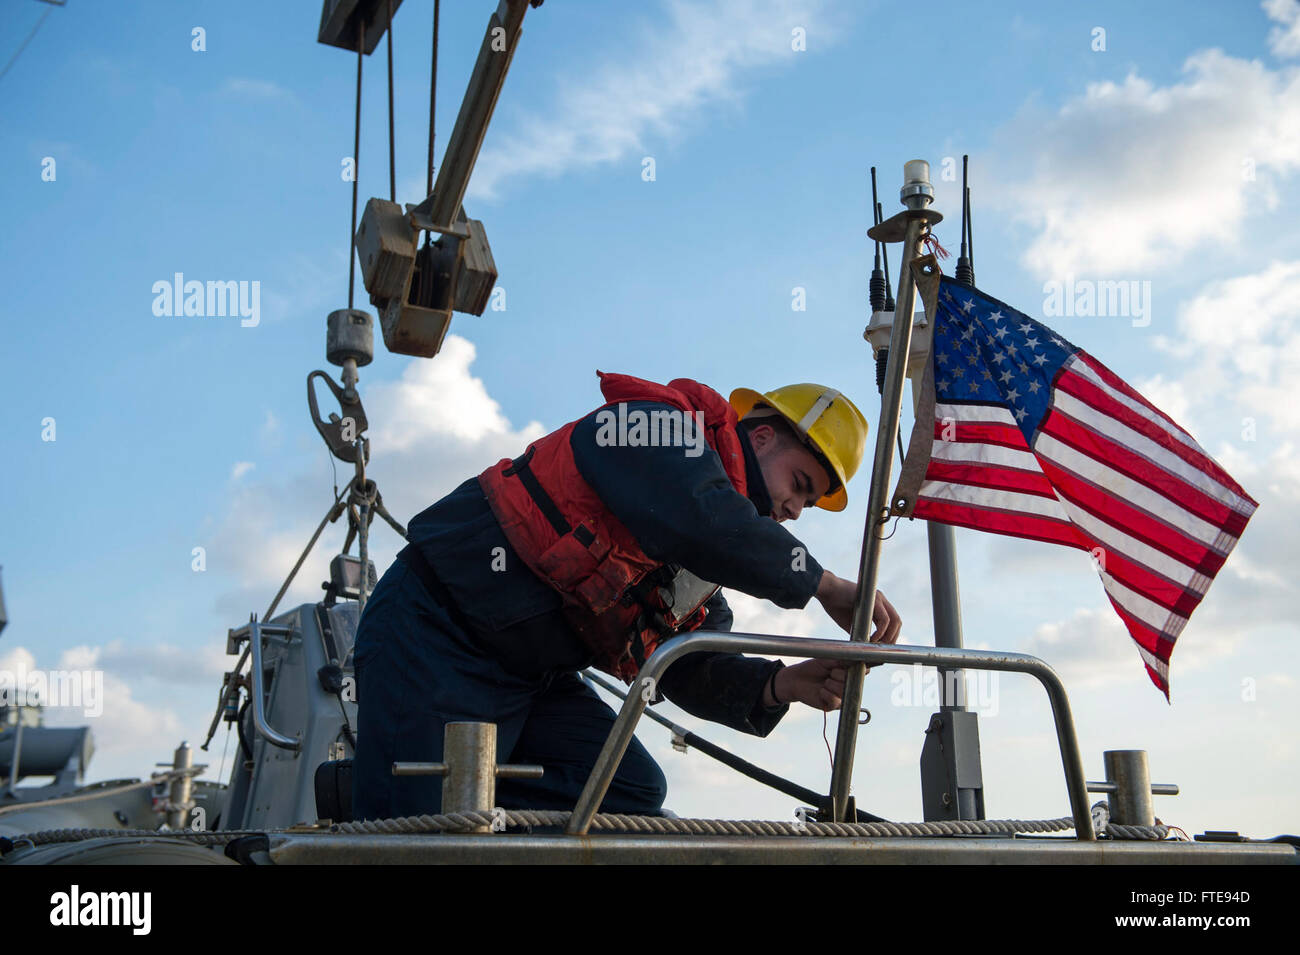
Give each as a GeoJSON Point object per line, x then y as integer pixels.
{"type": "Point", "coordinates": [469, 769]}
{"type": "Point", "coordinates": [1130, 803]}
{"type": "Point", "coordinates": [945, 600]}
{"type": "Point", "coordinates": [178, 812]}
{"type": "Point", "coordinates": [916, 195]}
{"type": "Point", "coordinates": [469, 751]}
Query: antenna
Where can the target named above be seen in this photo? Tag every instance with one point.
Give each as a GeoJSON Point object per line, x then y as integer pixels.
{"type": "Point", "coordinates": [877, 277]}
{"type": "Point", "coordinates": [965, 269]}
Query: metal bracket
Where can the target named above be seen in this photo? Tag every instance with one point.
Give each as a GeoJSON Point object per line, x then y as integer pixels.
{"type": "Point", "coordinates": [926, 275]}
{"type": "Point", "coordinates": [894, 229]}
{"type": "Point", "coordinates": [332, 431]}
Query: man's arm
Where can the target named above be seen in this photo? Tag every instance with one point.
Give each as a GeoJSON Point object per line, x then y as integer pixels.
{"type": "Point", "coordinates": [682, 508]}
{"type": "Point", "coordinates": [724, 688]}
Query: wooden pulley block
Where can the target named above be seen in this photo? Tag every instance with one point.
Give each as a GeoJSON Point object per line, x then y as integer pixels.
{"type": "Point", "coordinates": [386, 249]}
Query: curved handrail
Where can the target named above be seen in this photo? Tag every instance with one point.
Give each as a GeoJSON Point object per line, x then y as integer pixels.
{"type": "Point", "coordinates": [620, 736]}
{"type": "Point", "coordinates": [264, 728]}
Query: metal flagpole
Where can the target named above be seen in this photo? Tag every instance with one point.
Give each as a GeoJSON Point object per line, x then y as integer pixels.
{"type": "Point", "coordinates": [916, 195]}
{"type": "Point", "coordinates": [952, 785]}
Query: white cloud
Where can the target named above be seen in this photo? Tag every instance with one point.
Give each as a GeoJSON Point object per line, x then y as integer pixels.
{"type": "Point", "coordinates": [173, 665]}
{"type": "Point", "coordinates": [271, 430]}
{"type": "Point", "coordinates": [16, 660]}
{"type": "Point", "coordinates": [431, 429]}
{"type": "Point", "coordinates": [1130, 176]}
{"type": "Point", "coordinates": [257, 89]}
{"type": "Point", "coordinates": [240, 469]}
{"type": "Point", "coordinates": [1089, 648]}
{"type": "Point", "coordinates": [1283, 40]}
{"type": "Point", "coordinates": [127, 729]}
{"type": "Point", "coordinates": [440, 400]}
{"type": "Point", "coordinates": [1171, 397]}
{"type": "Point", "coordinates": [624, 106]}
{"type": "Point", "coordinates": [753, 615]}
{"type": "Point", "coordinates": [1239, 341]}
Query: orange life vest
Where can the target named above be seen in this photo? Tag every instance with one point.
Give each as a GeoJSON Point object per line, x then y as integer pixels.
{"type": "Point", "coordinates": [616, 598]}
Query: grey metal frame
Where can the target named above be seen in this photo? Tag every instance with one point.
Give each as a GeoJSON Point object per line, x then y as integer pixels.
{"type": "Point", "coordinates": [264, 728]}
{"type": "Point", "coordinates": [611, 754]}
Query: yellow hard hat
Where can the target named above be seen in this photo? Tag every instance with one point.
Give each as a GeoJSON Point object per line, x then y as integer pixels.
{"type": "Point", "coordinates": [824, 417]}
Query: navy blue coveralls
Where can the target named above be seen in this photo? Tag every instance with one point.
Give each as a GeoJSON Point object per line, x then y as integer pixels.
{"type": "Point", "coordinates": [491, 645]}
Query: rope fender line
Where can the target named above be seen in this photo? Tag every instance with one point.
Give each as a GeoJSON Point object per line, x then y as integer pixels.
{"type": "Point", "coordinates": [616, 822]}
{"type": "Point", "coordinates": [659, 825]}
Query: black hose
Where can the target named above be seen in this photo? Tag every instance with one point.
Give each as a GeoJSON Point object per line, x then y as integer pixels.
{"type": "Point", "coordinates": [779, 783]}
{"type": "Point", "coordinates": [239, 726]}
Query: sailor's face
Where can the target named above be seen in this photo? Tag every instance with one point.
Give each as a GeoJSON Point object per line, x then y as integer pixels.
{"type": "Point", "coordinates": [793, 477]}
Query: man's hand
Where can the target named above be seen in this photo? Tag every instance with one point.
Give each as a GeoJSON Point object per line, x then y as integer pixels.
{"type": "Point", "coordinates": [888, 623]}
{"type": "Point", "coordinates": [816, 683]}
{"type": "Point", "coordinates": [837, 595]}
{"type": "Point", "coordinates": [820, 683]}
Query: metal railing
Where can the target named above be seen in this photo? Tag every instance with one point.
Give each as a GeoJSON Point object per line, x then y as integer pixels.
{"type": "Point", "coordinates": [611, 754]}
{"type": "Point", "coordinates": [255, 631]}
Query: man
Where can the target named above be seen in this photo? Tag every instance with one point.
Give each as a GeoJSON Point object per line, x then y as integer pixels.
{"type": "Point", "coordinates": [572, 555]}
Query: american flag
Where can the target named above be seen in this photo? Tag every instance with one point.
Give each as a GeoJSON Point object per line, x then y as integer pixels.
{"type": "Point", "coordinates": [1022, 433]}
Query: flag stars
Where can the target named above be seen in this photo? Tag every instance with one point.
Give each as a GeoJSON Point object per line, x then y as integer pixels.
{"type": "Point", "coordinates": [996, 316]}
{"type": "Point", "coordinates": [988, 375]}
{"type": "Point", "coordinates": [1020, 414]}
{"type": "Point", "coordinates": [967, 306]}
{"type": "Point", "coordinates": [1031, 342]}
{"type": "Point", "coordinates": [1039, 359]}
{"type": "Point", "coordinates": [974, 387]}
{"type": "Point", "coordinates": [1012, 395]}
{"type": "Point", "coordinates": [1005, 377]}
{"type": "Point", "coordinates": [1024, 369]}
{"type": "Point", "coordinates": [1033, 387]}
{"type": "Point", "coordinates": [1026, 328]}
{"type": "Point", "coordinates": [943, 357]}
{"type": "Point", "coordinates": [1000, 332]}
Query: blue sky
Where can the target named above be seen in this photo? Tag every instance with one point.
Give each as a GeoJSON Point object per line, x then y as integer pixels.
{"type": "Point", "coordinates": [181, 432]}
